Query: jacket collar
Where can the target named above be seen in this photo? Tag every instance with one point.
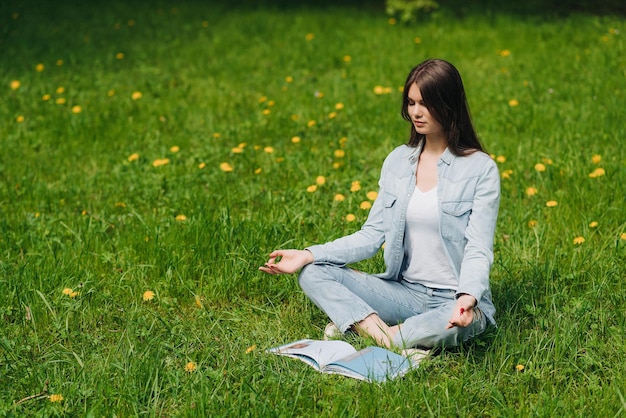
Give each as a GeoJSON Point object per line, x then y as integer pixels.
{"type": "Point", "coordinates": [414, 154]}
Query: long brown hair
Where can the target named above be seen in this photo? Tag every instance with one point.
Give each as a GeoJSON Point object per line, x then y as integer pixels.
{"type": "Point", "coordinates": [442, 90]}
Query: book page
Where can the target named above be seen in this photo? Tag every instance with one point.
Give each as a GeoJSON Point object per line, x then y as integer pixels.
{"type": "Point", "coordinates": [374, 364]}
{"type": "Point", "coordinates": [315, 353]}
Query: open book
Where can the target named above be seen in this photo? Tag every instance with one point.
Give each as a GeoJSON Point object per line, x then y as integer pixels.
{"type": "Point", "coordinates": [372, 364]}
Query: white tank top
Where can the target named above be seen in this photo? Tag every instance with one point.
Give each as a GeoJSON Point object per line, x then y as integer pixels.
{"type": "Point", "coordinates": [427, 262]}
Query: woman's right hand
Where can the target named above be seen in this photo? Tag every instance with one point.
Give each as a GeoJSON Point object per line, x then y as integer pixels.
{"type": "Point", "coordinates": [289, 261]}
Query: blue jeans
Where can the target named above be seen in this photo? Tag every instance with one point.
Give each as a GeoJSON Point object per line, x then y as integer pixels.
{"type": "Point", "coordinates": [348, 296]}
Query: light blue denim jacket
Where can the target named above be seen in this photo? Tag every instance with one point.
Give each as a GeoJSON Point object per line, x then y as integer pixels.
{"type": "Point", "coordinates": [468, 190]}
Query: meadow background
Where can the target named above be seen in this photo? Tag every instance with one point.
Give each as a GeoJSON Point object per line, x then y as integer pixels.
{"type": "Point", "coordinates": [154, 153]}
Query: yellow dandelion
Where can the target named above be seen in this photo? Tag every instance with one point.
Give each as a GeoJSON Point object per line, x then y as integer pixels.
{"type": "Point", "coordinates": [133, 157]}
{"type": "Point", "coordinates": [505, 53]}
{"type": "Point", "coordinates": [59, 62]}
{"type": "Point", "coordinates": [347, 58]}
{"type": "Point", "coordinates": [513, 102]}
{"type": "Point", "coordinates": [216, 135]}
{"type": "Point", "coordinates": [40, 67]}
{"type": "Point", "coordinates": [266, 111]}
{"type": "Point", "coordinates": [320, 180]}
{"type": "Point", "coordinates": [268, 150]}
{"type": "Point", "coordinates": [175, 149]}
{"type": "Point", "coordinates": [181, 218]}
{"type": "Point", "coordinates": [271, 103]}
{"type": "Point", "coordinates": [500, 158]}
{"type": "Point", "coordinates": [392, 21]}
{"type": "Point", "coordinates": [547, 161]}
{"type": "Point", "coordinates": [111, 93]}
{"type": "Point", "coordinates": [623, 236]}
{"type": "Point", "coordinates": [493, 156]}
{"type": "Point", "coordinates": [311, 123]}
{"type": "Point", "coordinates": [551, 203]}
{"type": "Point", "coordinates": [205, 24]}
{"type": "Point", "coordinates": [237, 150]}
{"type": "Point", "coordinates": [136, 95]}
{"type": "Point", "coordinates": [332, 115]}
{"type": "Point", "coordinates": [77, 109]}
{"type": "Point", "coordinates": [336, 164]}
{"type": "Point", "coordinates": [365, 205]}
{"type": "Point", "coordinates": [596, 159]}
{"type": "Point", "coordinates": [19, 119]}
{"type": "Point", "coordinates": [190, 367]}
{"type": "Point", "coordinates": [148, 295]}
{"type": "Point", "coordinates": [339, 153]}
{"type": "Point", "coordinates": [45, 97]}
{"type": "Point", "coordinates": [579, 240]}
{"type": "Point", "coordinates": [74, 294]}
{"type": "Point", "coordinates": [343, 141]}
{"type": "Point", "coordinates": [350, 217]}
{"type": "Point", "coordinates": [159, 162]}
{"type": "Point", "coordinates": [319, 94]}
{"type": "Point", "coordinates": [56, 397]}
{"type": "Point", "coordinates": [312, 188]}
{"type": "Point", "coordinates": [199, 299]}
{"type": "Point", "coordinates": [202, 165]}
{"type": "Point", "coordinates": [309, 36]}
{"type": "Point", "coordinates": [262, 99]}
{"type": "Point", "coordinates": [605, 38]}
{"type": "Point", "coordinates": [258, 170]}
{"type": "Point", "coordinates": [289, 79]}
{"type": "Point", "coordinates": [539, 167]}
{"type": "Point", "coordinates": [593, 224]}
{"type": "Point", "coordinates": [520, 367]}
{"type": "Point", "coordinates": [379, 90]}
{"type": "Point", "coordinates": [67, 291]}
{"type": "Point", "coordinates": [532, 223]}
{"type": "Point", "coordinates": [417, 40]}
{"type": "Point", "coordinates": [61, 100]}
{"type": "Point", "coordinates": [339, 106]}
{"type": "Point", "coordinates": [60, 90]}
{"type": "Point", "coordinates": [531, 191]}
{"type": "Point", "coordinates": [226, 167]}
{"type": "Point", "coordinates": [506, 174]}
{"type": "Point", "coordinates": [120, 204]}
{"type": "Point", "coordinates": [296, 139]}
{"type": "Point", "coordinates": [339, 197]}
{"type": "Point", "coordinates": [372, 195]}
{"type": "Point", "coordinates": [251, 349]}
{"type": "Point", "coordinates": [119, 56]}
{"type": "Point", "coordinates": [15, 84]}
{"type": "Point", "coordinates": [355, 186]}
{"type": "Point", "coordinates": [598, 172]}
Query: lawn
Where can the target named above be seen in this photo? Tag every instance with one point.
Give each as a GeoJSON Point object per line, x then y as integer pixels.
{"type": "Point", "coordinates": [154, 153]}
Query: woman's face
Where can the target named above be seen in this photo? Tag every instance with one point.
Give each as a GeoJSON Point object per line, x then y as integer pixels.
{"type": "Point", "coordinates": [423, 121]}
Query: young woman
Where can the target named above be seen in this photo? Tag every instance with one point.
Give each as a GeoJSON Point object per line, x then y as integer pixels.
{"type": "Point", "coordinates": [435, 213]}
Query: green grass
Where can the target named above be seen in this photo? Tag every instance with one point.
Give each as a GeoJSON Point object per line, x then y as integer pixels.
{"type": "Point", "coordinates": [76, 213]}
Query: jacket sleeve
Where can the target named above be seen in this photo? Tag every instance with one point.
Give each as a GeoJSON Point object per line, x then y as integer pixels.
{"type": "Point", "coordinates": [480, 231]}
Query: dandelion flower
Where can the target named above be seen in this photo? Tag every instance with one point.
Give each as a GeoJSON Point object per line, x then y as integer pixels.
{"type": "Point", "coordinates": [159, 162]}
{"type": "Point", "coordinates": [59, 62]}
{"type": "Point", "coordinates": [148, 295]}
{"type": "Point", "coordinates": [296, 139]}
{"type": "Point", "coordinates": [350, 217]}
{"type": "Point", "coordinates": [67, 291]}
{"type": "Point", "coordinates": [311, 123]}
{"type": "Point", "coordinates": [347, 58]}
{"type": "Point", "coordinates": [343, 141]}
{"type": "Point", "coordinates": [119, 56]}
{"type": "Point", "coordinates": [593, 224]}
{"type": "Point", "coordinates": [365, 205]}
{"type": "Point", "coordinates": [336, 164]}
{"type": "Point", "coordinates": [417, 40]}
{"type": "Point", "coordinates": [513, 103]}
{"type": "Point", "coordinates": [268, 150]}
{"type": "Point", "coordinates": [339, 106]}
{"type": "Point", "coordinates": [56, 397]}
{"type": "Point", "coordinates": [120, 204]}
{"type": "Point", "coordinates": [339, 197]}
{"type": "Point", "coordinates": [532, 223]}
{"type": "Point", "coordinates": [320, 180]}
{"type": "Point", "coordinates": [551, 203]}
{"type": "Point", "coordinates": [15, 84]}
{"type": "Point", "coordinates": [539, 167]}
{"type": "Point", "coordinates": [175, 149]}
{"type": "Point", "coordinates": [190, 367]}
{"type": "Point", "coordinates": [136, 95]}
{"type": "Point", "coordinates": [289, 79]}
{"type": "Point", "coordinates": [506, 174]}
{"type": "Point", "coordinates": [111, 93]}
{"type": "Point", "coordinates": [60, 90]}
{"type": "Point", "coordinates": [216, 135]}
{"type": "Point", "coordinates": [202, 165]}
{"type": "Point", "coordinates": [392, 21]}
{"type": "Point", "coordinates": [45, 97]}
{"type": "Point", "coordinates": [133, 157]}
{"type": "Point", "coordinates": [623, 236]}
{"type": "Point", "coordinates": [598, 172]}
{"type": "Point", "coordinates": [181, 218]}
{"type": "Point", "coordinates": [519, 367]}
{"type": "Point", "coordinates": [39, 67]}
{"type": "Point", "coordinates": [251, 349]}
{"type": "Point", "coordinates": [372, 195]}
{"type": "Point", "coordinates": [309, 36]}
{"type": "Point", "coordinates": [596, 159]}
{"type": "Point", "coordinates": [237, 150]}
{"type": "Point", "coordinates": [339, 153]}
{"type": "Point", "coordinates": [61, 100]}
{"type": "Point", "coordinates": [77, 109]}
{"type": "Point", "coordinates": [19, 119]}
{"type": "Point", "coordinates": [258, 170]}
{"type": "Point", "coordinates": [226, 167]}
{"type": "Point", "coordinates": [355, 186]}
{"type": "Point", "coordinates": [74, 294]}
{"type": "Point", "coordinates": [531, 191]}
{"type": "Point", "coordinates": [312, 188]}
{"type": "Point", "coordinates": [266, 111]}
{"type": "Point", "coordinates": [579, 240]}
{"type": "Point", "coordinates": [332, 115]}
{"type": "Point", "coordinates": [500, 158]}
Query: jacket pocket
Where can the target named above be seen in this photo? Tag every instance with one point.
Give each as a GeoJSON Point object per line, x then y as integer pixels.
{"type": "Point", "coordinates": [454, 219]}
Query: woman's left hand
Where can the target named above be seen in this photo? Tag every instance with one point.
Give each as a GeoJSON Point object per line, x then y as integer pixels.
{"type": "Point", "coordinates": [463, 313]}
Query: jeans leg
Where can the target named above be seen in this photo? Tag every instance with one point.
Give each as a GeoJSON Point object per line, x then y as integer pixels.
{"type": "Point", "coordinates": [348, 296]}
